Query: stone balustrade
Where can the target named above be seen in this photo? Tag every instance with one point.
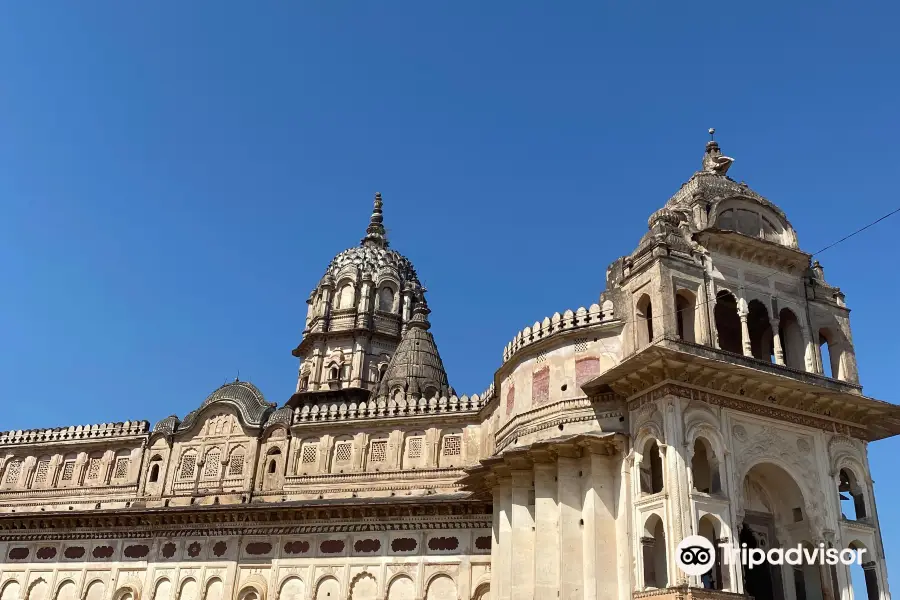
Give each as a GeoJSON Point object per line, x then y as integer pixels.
{"type": "Point", "coordinates": [387, 408]}
{"type": "Point", "coordinates": [75, 432]}
{"type": "Point", "coordinates": [568, 321]}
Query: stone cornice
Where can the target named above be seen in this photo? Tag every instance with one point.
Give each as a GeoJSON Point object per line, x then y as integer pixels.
{"type": "Point", "coordinates": [438, 513]}
{"type": "Point", "coordinates": [750, 385]}
{"type": "Point", "coordinates": [587, 408]}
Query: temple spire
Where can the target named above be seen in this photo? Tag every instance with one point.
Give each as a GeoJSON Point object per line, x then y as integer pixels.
{"type": "Point", "coordinates": [375, 233]}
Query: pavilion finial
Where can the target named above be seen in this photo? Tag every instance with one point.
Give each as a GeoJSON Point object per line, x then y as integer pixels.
{"type": "Point", "coordinates": [713, 160]}
{"type": "Point", "coordinates": [375, 232]}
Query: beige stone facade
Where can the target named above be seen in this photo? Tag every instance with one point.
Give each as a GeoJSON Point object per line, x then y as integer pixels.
{"type": "Point", "coordinates": [711, 390]}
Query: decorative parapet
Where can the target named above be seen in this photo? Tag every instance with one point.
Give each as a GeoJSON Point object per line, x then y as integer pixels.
{"type": "Point", "coordinates": [685, 592]}
{"type": "Point", "coordinates": [75, 433]}
{"type": "Point", "coordinates": [568, 321]}
{"type": "Point", "coordinates": [388, 408]}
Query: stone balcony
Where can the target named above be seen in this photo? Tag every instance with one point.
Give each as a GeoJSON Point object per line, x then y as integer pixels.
{"type": "Point", "coordinates": [687, 593]}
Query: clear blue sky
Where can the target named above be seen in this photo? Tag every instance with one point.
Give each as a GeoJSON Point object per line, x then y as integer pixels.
{"type": "Point", "coordinates": [174, 177]}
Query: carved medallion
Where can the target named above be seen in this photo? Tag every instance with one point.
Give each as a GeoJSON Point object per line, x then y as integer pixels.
{"type": "Point", "coordinates": [739, 432]}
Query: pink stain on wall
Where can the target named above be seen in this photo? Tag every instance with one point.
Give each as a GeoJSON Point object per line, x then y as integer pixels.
{"type": "Point", "coordinates": [586, 369]}
{"type": "Point", "coordinates": [510, 399]}
{"type": "Point", "coordinates": [540, 387]}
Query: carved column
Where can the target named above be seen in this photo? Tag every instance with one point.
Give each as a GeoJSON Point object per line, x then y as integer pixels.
{"type": "Point", "coordinates": [315, 377]}
{"type": "Point", "coordinates": [745, 333]}
{"type": "Point", "coordinates": [523, 526]}
{"type": "Point", "coordinates": [702, 335]}
{"type": "Point", "coordinates": [310, 308]}
{"type": "Point", "coordinates": [363, 318]}
{"type": "Point", "coordinates": [776, 342]}
{"type": "Point", "coordinates": [357, 362]}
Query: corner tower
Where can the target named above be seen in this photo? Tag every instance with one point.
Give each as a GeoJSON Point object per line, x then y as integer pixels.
{"type": "Point", "coordinates": [357, 316]}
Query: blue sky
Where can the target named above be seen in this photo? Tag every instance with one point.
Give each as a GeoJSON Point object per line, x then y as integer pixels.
{"type": "Point", "coordinates": [176, 176]}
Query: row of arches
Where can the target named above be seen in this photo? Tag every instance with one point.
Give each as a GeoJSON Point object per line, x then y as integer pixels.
{"type": "Point", "coordinates": [213, 466]}
{"type": "Point", "coordinates": [706, 472]}
{"type": "Point", "coordinates": [67, 470]}
{"type": "Point", "coordinates": [774, 514]}
{"type": "Point", "coordinates": [779, 338]}
{"type": "Point", "coordinates": [40, 589]}
{"type": "Point", "coordinates": [364, 586]}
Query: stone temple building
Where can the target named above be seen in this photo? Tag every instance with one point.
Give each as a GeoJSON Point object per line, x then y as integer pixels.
{"type": "Point", "coordinates": [711, 389]}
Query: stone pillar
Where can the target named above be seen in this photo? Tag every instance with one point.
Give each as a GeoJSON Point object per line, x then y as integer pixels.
{"type": "Point", "coordinates": [309, 310]}
{"type": "Point", "coordinates": [315, 376]}
{"type": "Point", "coordinates": [546, 537]}
{"type": "Point", "coordinates": [363, 319]}
{"type": "Point", "coordinates": [502, 569]}
{"type": "Point", "coordinates": [623, 516]}
{"type": "Point", "coordinates": [599, 532]}
{"type": "Point", "coordinates": [358, 362]}
{"type": "Point", "coordinates": [570, 524]}
{"type": "Point", "coordinates": [776, 341]}
{"type": "Point", "coordinates": [523, 550]}
{"type": "Point", "coordinates": [703, 334]}
{"type": "Point", "coordinates": [745, 332]}
{"type": "Point", "coordinates": [327, 293]}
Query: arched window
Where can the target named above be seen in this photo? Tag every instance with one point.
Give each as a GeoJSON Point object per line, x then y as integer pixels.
{"type": "Point", "coordinates": [154, 473]}
{"type": "Point", "coordinates": [236, 462]}
{"type": "Point", "coordinates": [831, 351]}
{"type": "Point", "coordinates": [386, 299]}
{"type": "Point", "coordinates": [348, 295]}
{"type": "Point", "coordinates": [651, 469]}
{"type": "Point", "coordinates": [273, 457]}
{"type": "Point", "coordinates": [728, 323]}
{"type": "Point", "coordinates": [792, 343]}
{"type": "Point", "coordinates": [188, 465]}
{"type": "Point", "coordinates": [644, 323]}
{"type": "Point", "coordinates": [853, 501]}
{"type": "Point", "coordinates": [864, 577]}
{"type": "Point", "coordinates": [334, 373]}
{"type": "Point", "coordinates": [13, 470]}
{"type": "Point", "coordinates": [211, 464]}
{"type": "Point", "coordinates": [653, 553]}
{"type": "Point", "coordinates": [709, 528]}
{"type": "Point", "coordinates": [760, 328]}
{"type": "Point", "coordinates": [382, 371]}
{"type": "Point", "coordinates": [704, 467]}
{"type": "Point", "coordinates": [685, 315]}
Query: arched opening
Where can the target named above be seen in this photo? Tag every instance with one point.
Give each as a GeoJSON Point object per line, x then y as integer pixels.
{"type": "Point", "coordinates": [830, 350]}
{"type": "Point", "coordinates": [644, 322]}
{"type": "Point", "coordinates": [705, 468]}
{"type": "Point", "coordinates": [685, 312]}
{"type": "Point", "coordinates": [163, 590]}
{"type": "Point", "coordinates": [292, 589]}
{"type": "Point", "coordinates": [215, 590]}
{"type": "Point", "coordinates": [728, 323]}
{"type": "Point", "coordinates": [386, 299]}
{"type": "Point", "coordinates": [774, 505]}
{"type": "Point", "coordinates": [274, 455]}
{"type": "Point", "coordinates": [853, 501]}
{"type": "Point", "coordinates": [709, 528]}
{"type": "Point", "coordinates": [651, 469]}
{"type": "Point", "coordinates": [364, 587]}
{"type": "Point", "coordinates": [347, 296]}
{"type": "Point", "coordinates": [382, 371]}
{"type": "Point", "coordinates": [441, 587]}
{"type": "Point", "coordinates": [863, 573]}
{"type": "Point", "coordinates": [328, 589]}
{"type": "Point", "coordinates": [154, 473]}
{"type": "Point", "coordinates": [653, 552]}
{"type": "Point", "coordinates": [791, 334]}
{"type": "Point", "coordinates": [334, 373]}
{"type": "Point", "coordinates": [402, 588]}
{"type": "Point", "coordinates": [760, 328]}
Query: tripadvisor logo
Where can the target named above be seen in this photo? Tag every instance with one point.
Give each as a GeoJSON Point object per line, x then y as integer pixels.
{"type": "Point", "coordinates": [696, 555]}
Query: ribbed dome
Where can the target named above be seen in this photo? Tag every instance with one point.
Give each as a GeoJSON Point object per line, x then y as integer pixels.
{"type": "Point", "coordinates": [373, 260]}
{"type": "Point", "coordinates": [243, 395]}
{"type": "Point", "coordinates": [416, 367]}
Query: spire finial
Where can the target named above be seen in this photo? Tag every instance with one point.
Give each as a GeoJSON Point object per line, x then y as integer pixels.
{"type": "Point", "coordinates": [712, 134]}
{"type": "Point", "coordinates": [375, 233]}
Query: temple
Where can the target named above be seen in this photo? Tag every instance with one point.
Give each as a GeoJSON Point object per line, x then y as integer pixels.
{"type": "Point", "coordinates": [711, 388]}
